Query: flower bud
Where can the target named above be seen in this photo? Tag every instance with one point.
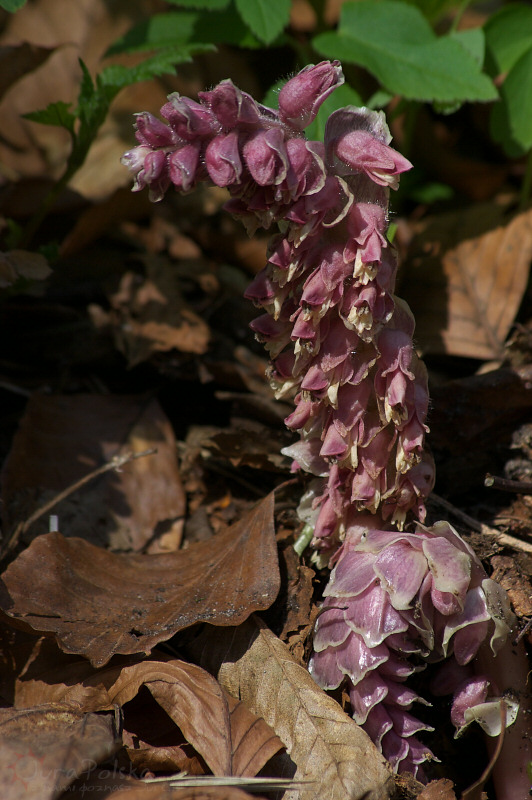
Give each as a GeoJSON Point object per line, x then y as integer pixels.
{"type": "Point", "coordinates": [301, 98]}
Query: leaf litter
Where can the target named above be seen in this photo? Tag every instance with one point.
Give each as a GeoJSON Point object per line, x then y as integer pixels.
{"type": "Point", "coordinates": [148, 555]}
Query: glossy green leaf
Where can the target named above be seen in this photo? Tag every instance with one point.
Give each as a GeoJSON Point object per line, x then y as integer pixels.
{"type": "Point", "coordinates": [395, 43]}
{"type": "Point", "coordinates": [508, 36]}
{"type": "Point", "coordinates": [266, 18]}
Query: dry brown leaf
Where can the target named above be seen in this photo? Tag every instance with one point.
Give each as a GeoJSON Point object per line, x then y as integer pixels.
{"type": "Point", "coordinates": [99, 603]}
{"type": "Point", "coordinates": [230, 739]}
{"type": "Point", "coordinates": [19, 59]}
{"type": "Point", "coordinates": [44, 749]}
{"type": "Point", "coordinates": [83, 29]}
{"type": "Point", "coordinates": [438, 790]}
{"type": "Point", "coordinates": [149, 316]}
{"type": "Point", "coordinates": [465, 278]}
{"type": "Point", "coordinates": [328, 748]}
{"type": "Point", "coordinates": [62, 438]}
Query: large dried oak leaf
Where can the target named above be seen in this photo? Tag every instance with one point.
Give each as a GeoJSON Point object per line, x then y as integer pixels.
{"type": "Point", "coordinates": [99, 603]}
{"type": "Point", "coordinates": [328, 748]}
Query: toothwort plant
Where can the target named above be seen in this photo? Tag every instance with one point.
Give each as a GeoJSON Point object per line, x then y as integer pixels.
{"type": "Point", "coordinates": [340, 343]}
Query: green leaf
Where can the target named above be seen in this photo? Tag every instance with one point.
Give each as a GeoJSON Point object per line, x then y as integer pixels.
{"type": "Point", "coordinates": [395, 43]}
{"type": "Point", "coordinates": [344, 95]}
{"type": "Point", "coordinates": [508, 36]}
{"type": "Point", "coordinates": [207, 5]}
{"type": "Point", "coordinates": [179, 28]}
{"type": "Point", "coordinates": [266, 18]}
{"type": "Point", "coordinates": [117, 76]}
{"type": "Point", "coordinates": [54, 114]}
{"type": "Point", "coordinates": [160, 30]}
{"type": "Point", "coordinates": [511, 121]}
{"type": "Point", "coordinates": [473, 41]}
{"type": "Point", "coordinates": [433, 9]}
{"type": "Point", "coordinates": [271, 98]}
{"type": "Point", "coordinates": [12, 5]}
{"type": "Point", "coordinates": [379, 99]}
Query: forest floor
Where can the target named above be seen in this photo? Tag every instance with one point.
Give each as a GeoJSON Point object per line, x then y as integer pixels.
{"type": "Point", "coordinates": [148, 517]}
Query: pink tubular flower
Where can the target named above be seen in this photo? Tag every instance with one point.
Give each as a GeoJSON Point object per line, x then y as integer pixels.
{"type": "Point", "coordinates": [340, 343]}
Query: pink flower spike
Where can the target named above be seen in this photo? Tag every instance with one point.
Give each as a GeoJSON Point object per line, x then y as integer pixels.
{"type": "Point", "coordinates": [301, 98]}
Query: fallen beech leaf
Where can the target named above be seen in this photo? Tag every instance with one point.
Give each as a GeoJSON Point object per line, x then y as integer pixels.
{"type": "Point", "coordinates": [62, 438]}
{"type": "Point", "coordinates": [466, 276]}
{"type": "Point", "coordinates": [328, 748]}
{"type": "Point", "coordinates": [230, 739]}
{"type": "Point", "coordinates": [43, 750]}
{"type": "Point", "coordinates": [99, 603]}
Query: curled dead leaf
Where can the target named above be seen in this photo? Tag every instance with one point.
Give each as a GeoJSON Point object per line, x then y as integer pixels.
{"type": "Point", "coordinates": [231, 740]}
{"type": "Point", "coordinates": [99, 603]}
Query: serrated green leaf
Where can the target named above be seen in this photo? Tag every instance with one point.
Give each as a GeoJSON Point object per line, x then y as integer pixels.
{"type": "Point", "coordinates": [344, 95]}
{"type": "Point", "coordinates": [395, 43]}
{"type": "Point", "coordinates": [474, 41]}
{"type": "Point", "coordinates": [57, 114]}
{"type": "Point", "coordinates": [266, 18]}
{"type": "Point", "coordinates": [12, 5]}
{"type": "Point", "coordinates": [207, 5]}
{"type": "Point", "coordinates": [511, 121]}
{"type": "Point", "coordinates": [508, 36]}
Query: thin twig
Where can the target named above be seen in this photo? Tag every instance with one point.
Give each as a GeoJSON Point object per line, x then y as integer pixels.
{"type": "Point", "coordinates": [115, 463]}
{"type": "Point", "coordinates": [507, 485]}
{"type": "Point", "coordinates": [479, 527]}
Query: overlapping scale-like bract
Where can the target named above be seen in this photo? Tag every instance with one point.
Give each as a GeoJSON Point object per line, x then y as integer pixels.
{"type": "Point", "coordinates": [340, 344]}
